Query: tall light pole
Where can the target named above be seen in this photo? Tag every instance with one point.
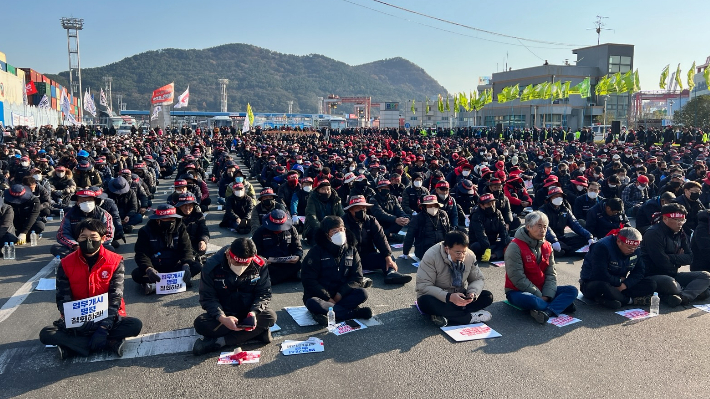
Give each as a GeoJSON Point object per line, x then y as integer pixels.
{"type": "Point", "coordinates": [223, 94]}
{"type": "Point", "coordinates": [108, 80]}
{"type": "Point", "coordinates": [73, 26]}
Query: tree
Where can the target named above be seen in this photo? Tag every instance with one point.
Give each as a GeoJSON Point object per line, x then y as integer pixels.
{"type": "Point", "coordinates": [696, 112]}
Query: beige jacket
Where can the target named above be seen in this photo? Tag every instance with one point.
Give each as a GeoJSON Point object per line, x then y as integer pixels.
{"type": "Point", "coordinates": [434, 274]}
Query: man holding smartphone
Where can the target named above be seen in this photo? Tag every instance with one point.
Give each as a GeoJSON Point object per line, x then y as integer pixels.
{"type": "Point", "coordinates": [235, 291]}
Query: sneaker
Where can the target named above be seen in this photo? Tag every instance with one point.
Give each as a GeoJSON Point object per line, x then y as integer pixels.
{"type": "Point", "coordinates": [611, 303]}
{"type": "Point", "coordinates": [481, 316]}
{"type": "Point", "coordinates": [685, 300]}
{"type": "Point", "coordinates": [363, 313]}
{"type": "Point", "coordinates": [394, 277]}
{"type": "Point", "coordinates": [672, 300]}
{"type": "Point", "coordinates": [642, 300]}
{"type": "Point", "coordinates": [321, 319]}
{"type": "Point", "coordinates": [439, 321]}
{"type": "Point", "coordinates": [266, 336]}
{"type": "Point", "coordinates": [205, 345]}
{"type": "Point", "coordinates": [63, 352]}
{"type": "Point", "coordinates": [570, 309]}
{"type": "Point", "coordinates": [149, 288]}
{"type": "Point", "coordinates": [117, 347]}
{"type": "Point", "coordinates": [366, 282]}
{"type": "Point", "coordinates": [540, 316]}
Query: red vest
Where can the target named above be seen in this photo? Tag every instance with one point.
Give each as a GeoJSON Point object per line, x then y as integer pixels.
{"type": "Point", "coordinates": [534, 271]}
{"type": "Point", "coordinates": [85, 284]}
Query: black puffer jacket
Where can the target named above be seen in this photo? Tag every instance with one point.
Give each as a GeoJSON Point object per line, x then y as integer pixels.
{"type": "Point", "coordinates": [424, 231]}
{"type": "Point", "coordinates": [701, 242]}
{"type": "Point", "coordinates": [196, 226]}
{"type": "Point", "coordinates": [329, 269]}
{"type": "Point", "coordinates": [660, 250]}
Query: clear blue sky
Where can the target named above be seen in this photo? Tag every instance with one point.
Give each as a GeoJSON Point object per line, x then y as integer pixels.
{"type": "Point", "coordinates": [663, 32]}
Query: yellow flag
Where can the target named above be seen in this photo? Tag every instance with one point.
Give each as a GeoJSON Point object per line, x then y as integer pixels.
{"type": "Point", "coordinates": [637, 82]}
{"type": "Point", "coordinates": [250, 114]}
{"type": "Point", "coordinates": [677, 78]}
{"type": "Point", "coordinates": [664, 77]}
{"type": "Point", "coordinates": [691, 75]}
{"type": "Point", "coordinates": [706, 75]}
{"type": "Point", "coordinates": [565, 89]}
{"type": "Point", "coordinates": [447, 104]}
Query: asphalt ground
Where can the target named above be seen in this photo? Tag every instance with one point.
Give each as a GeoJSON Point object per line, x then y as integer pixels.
{"type": "Point", "coordinates": [406, 356]}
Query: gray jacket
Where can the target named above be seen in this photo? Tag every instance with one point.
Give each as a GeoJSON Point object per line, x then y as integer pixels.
{"type": "Point", "coordinates": [516, 273]}
{"type": "Point", "coordinates": [434, 274]}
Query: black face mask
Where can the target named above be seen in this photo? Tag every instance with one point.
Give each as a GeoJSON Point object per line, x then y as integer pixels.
{"type": "Point", "coordinates": [323, 196]}
{"type": "Point", "coordinates": [360, 215]}
{"type": "Point", "coordinates": [89, 247]}
{"type": "Point", "coordinates": [694, 196]}
{"type": "Point", "coordinates": [167, 226]}
{"type": "Point", "coordinates": [674, 184]}
{"type": "Point", "coordinates": [360, 184]}
{"type": "Point", "coordinates": [384, 191]}
{"type": "Point", "coordinates": [490, 211]}
{"type": "Point", "coordinates": [268, 203]}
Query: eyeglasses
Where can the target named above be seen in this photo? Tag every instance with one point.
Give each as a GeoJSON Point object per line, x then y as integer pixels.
{"type": "Point", "coordinates": [541, 226]}
{"type": "Point", "coordinates": [677, 220]}
{"type": "Point", "coordinates": [458, 253]}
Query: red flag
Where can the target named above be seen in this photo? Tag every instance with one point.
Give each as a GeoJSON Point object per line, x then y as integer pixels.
{"type": "Point", "coordinates": [30, 88]}
{"type": "Point", "coordinates": [163, 95]}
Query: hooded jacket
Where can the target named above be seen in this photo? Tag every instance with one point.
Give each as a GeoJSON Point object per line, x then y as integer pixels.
{"type": "Point", "coordinates": [515, 270]}
{"type": "Point", "coordinates": [434, 275]}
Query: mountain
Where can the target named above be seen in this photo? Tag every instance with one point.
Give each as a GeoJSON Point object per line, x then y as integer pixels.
{"type": "Point", "coordinates": [264, 78]}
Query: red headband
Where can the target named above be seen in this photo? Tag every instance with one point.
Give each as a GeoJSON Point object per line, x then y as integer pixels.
{"type": "Point", "coordinates": [633, 243]}
{"type": "Point", "coordinates": [165, 212]}
{"type": "Point", "coordinates": [238, 259]}
{"type": "Point", "coordinates": [675, 215]}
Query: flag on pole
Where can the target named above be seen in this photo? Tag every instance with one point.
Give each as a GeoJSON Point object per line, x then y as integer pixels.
{"type": "Point", "coordinates": [456, 102]}
{"type": "Point", "coordinates": [156, 112]}
{"type": "Point", "coordinates": [89, 105]}
{"type": "Point", "coordinates": [502, 98]}
{"type": "Point", "coordinates": [102, 99]}
{"type": "Point", "coordinates": [565, 89]}
{"type": "Point", "coordinates": [440, 105]}
{"type": "Point", "coordinates": [628, 82]}
{"type": "Point", "coordinates": [528, 92]}
{"type": "Point", "coordinates": [246, 126]}
{"type": "Point", "coordinates": [44, 102]}
{"type": "Point", "coordinates": [706, 75]}
{"type": "Point", "coordinates": [30, 88]}
{"type": "Point", "coordinates": [664, 77]}
{"type": "Point", "coordinates": [556, 90]}
{"type": "Point", "coordinates": [414, 110]}
{"type": "Point", "coordinates": [514, 92]}
{"type": "Point", "coordinates": [427, 105]}
{"type": "Point", "coordinates": [677, 77]}
{"type": "Point", "coordinates": [183, 99]}
{"type": "Point", "coordinates": [463, 102]}
{"type": "Point", "coordinates": [447, 104]}
{"type": "Point", "coordinates": [691, 75]}
{"type": "Point", "coordinates": [250, 115]}
{"type": "Point", "coordinates": [163, 95]}
{"type": "Point", "coordinates": [65, 104]}
{"type": "Point", "coordinates": [637, 82]}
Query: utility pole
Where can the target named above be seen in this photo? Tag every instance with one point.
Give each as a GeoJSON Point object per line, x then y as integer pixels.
{"type": "Point", "coordinates": [73, 26]}
{"type": "Point", "coordinates": [290, 106]}
{"type": "Point", "coordinates": [223, 94]}
{"type": "Point", "coordinates": [599, 27]}
{"type": "Point", "coordinates": [108, 80]}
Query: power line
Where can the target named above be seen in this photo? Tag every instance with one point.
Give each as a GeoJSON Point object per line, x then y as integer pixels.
{"type": "Point", "coordinates": [476, 29]}
{"type": "Point", "coordinates": [450, 31]}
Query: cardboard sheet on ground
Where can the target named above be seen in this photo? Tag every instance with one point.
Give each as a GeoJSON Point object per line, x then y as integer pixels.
{"type": "Point", "coordinates": [275, 328]}
{"type": "Point", "coordinates": [498, 263]}
{"type": "Point", "coordinates": [345, 327]}
{"type": "Point", "coordinates": [705, 308]}
{"type": "Point", "coordinates": [301, 315]}
{"type": "Point", "coordinates": [79, 312]}
{"type": "Point", "coordinates": [583, 250]}
{"type": "Point", "coordinates": [239, 357]}
{"type": "Point", "coordinates": [470, 332]}
{"type": "Point", "coordinates": [397, 246]}
{"type": "Point", "coordinates": [170, 283]}
{"type": "Point", "coordinates": [46, 284]}
{"type": "Point", "coordinates": [634, 314]}
{"type": "Point", "coordinates": [563, 320]}
{"type": "Point", "coordinates": [311, 345]}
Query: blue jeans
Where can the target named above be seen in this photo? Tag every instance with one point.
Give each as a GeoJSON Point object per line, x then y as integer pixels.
{"type": "Point", "coordinates": [566, 294]}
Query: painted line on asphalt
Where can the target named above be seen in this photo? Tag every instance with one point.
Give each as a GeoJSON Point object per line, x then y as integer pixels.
{"type": "Point", "coordinates": [162, 343]}
{"type": "Point", "coordinates": [21, 294]}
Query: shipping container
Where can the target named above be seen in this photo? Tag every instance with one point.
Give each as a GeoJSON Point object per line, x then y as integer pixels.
{"type": "Point", "coordinates": [53, 91]}
{"type": "Point", "coordinates": [45, 79]}
{"type": "Point", "coordinates": [2, 57]}
{"type": "Point", "coordinates": [11, 69]}
{"type": "Point", "coordinates": [42, 88]}
{"type": "Point", "coordinates": [3, 66]}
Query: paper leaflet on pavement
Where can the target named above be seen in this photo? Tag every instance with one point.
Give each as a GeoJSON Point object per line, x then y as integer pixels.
{"type": "Point", "coordinates": [311, 345]}
{"type": "Point", "coordinates": [583, 250]}
{"type": "Point", "coordinates": [46, 284]}
{"type": "Point", "coordinates": [239, 357]}
{"type": "Point", "coordinates": [705, 308]}
{"type": "Point", "coordinates": [563, 320]}
{"type": "Point", "coordinates": [634, 314]}
{"type": "Point", "coordinates": [301, 315]}
{"type": "Point", "coordinates": [470, 332]}
{"type": "Point", "coordinates": [498, 263]}
{"type": "Point", "coordinates": [344, 327]}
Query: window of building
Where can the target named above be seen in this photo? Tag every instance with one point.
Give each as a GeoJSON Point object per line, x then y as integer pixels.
{"type": "Point", "coordinates": [412, 118]}
{"type": "Point", "coordinates": [619, 64]}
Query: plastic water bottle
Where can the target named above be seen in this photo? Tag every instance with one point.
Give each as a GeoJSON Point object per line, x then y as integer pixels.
{"type": "Point", "coordinates": [6, 251]}
{"type": "Point", "coordinates": [11, 252]}
{"type": "Point", "coordinates": [56, 262]}
{"type": "Point", "coordinates": [61, 214]}
{"type": "Point", "coordinates": [331, 320]}
{"type": "Point", "coordinates": [655, 303]}
{"type": "Point", "coordinates": [33, 239]}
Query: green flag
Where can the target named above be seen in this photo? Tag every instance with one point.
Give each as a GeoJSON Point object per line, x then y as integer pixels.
{"type": "Point", "coordinates": [706, 75]}
{"type": "Point", "coordinates": [527, 93]}
{"type": "Point", "coordinates": [250, 115]}
{"type": "Point", "coordinates": [565, 89]}
{"type": "Point", "coordinates": [691, 75]}
{"type": "Point", "coordinates": [538, 91]}
{"type": "Point", "coordinates": [601, 88]}
{"type": "Point", "coordinates": [556, 90]}
{"type": "Point", "coordinates": [447, 104]}
{"type": "Point", "coordinates": [502, 96]}
{"type": "Point", "coordinates": [514, 92]}
{"type": "Point", "coordinates": [414, 110]}
{"type": "Point", "coordinates": [585, 90]}
{"type": "Point", "coordinates": [427, 105]}
{"type": "Point", "coordinates": [677, 77]}
{"type": "Point", "coordinates": [664, 77]}
{"type": "Point", "coordinates": [547, 94]}
{"type": "Point", "coordinates": [440, 105]}
{"type": "Point", "coordinates": [489, 96]}
{"type": "Point", "coordinates": [637, 82]}
{"type": "Point", "coordinates": [628, 82]}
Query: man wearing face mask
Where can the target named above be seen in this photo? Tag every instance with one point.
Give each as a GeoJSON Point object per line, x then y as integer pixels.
{"type": "Point", "coordinates": [235, 291]}
{"type": "Point", "coordinates": [560, 216]}
{"type": "Point", "coordinates": [583, 203]}
{"type": "Point", "coordinates": [92, 270]}
{"type": "Point", "coordinates": [38, 190]}
{"type": "Point", "coordinates": [195, 223]}
{"type": "Point", "coordinates": [126, 202]}
{"type": "Point", "coordinates": [495, 187]}
{"type": "Point", "coordinates": [664, 250]}
{"type": "Point", "coordinates": [450, 285]}
{"type": "Point", "coordinates": [63, 187]}
{"type": "Point", "coordinates": [299, 200]}
{"type": "Point", "coordinates": [85, 175]}
{"type": "Point", "coordinates": [267, 202]}
{"type": "Point", "coordinates": [248, 187]}
{"type": "Point", "coordinates": [575, 188]}
{"type": "Point", "coordinates": [648, 214]}
{"type": "Point", "coordinates": [487, 233]}
{"type": "Point", "coordinates": [163, 246]}
{"type": "Point", "coordinates": [21, 170]}
{"type": "Point", "coordinates": [86, 206]}
{"type": "Point", "coordinates": [388, 212]}
{"type": "Point", "coordinates": [227, 178]}
{"type": "Point", "coordinates": [427, 228]}
{"type": "Point", "coordinates": [287, 188]}
{"type": "Point", "coordinates": [26, 208]}
{"type": "Point", "coordinates": [323, 202]}
{"type": "Point", "coordinates": [277, 241]}
{"type": "Point", "coordinates": [606, 216]}
{"type": "Point", "coordinates": [517, 194]}
{"type": "Point", "coordinates": [634, 195]}
{"type": "Point", "coordinates": [370, 240]}
{"type": "Point", "coordinates": [332, 275]}
{"type": "Point", "coordinates": [690, 200]}
{"type": "Point", "coordinates": [413, 194]}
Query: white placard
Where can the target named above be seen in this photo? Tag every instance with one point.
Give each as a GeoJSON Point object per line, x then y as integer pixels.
{"type": "Point", "coordinates": [498, 263]}
{"type": "Point", "coordinates": [397, 246]}
{"type": "Point", "coordinates": [311, 345]}
{"type": "Point", "coordinates": [705, 308]}
{"type": "Point", "coordinates": [46, 284]}
{"type": "Point", "coordinates": [344, 328]}
{"type": "Point", "coordinates": [301, 315]}
{"type": "Point", "coordinates": [634, 314]}
{"type": "Point", "coordinates": [470, 332]}
{"type": "Point", "coordinates": [170, 283]}
{"type": "Point", "coordinates": [76, 313]}
{"type": "Point", "coordinates": [563, 320]}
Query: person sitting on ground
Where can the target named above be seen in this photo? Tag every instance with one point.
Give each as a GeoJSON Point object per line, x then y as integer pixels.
{"type": "Point", "coordinates": [487, 233]}
{"type": "Point", "coordinates": [7, 225]}
{"type": "Point", "coordinates": [560, 216]}
{"type": "Point", "coordinates": [605, 217]}
{"type": "Point", "coordinates": [613, 271]}
{"type": "Point", "coordinates": [584, 202]}
{"type": "Point", "coordinates": [388, 212]}
{"type": "Point", "coordinates": [700, 241]}
{"type": "Point", "coordinates": [238, 209]}
{"type": "Point", "coordinates": [634, 195]}
{"type": "Point", "coordinates": [87, 272]}
{"type": "Point", "coordinates": [163, 246]}
{"type": "Point", "coordinates": [278, 243]}
{"type": "Point", "coordinates": [413, 194]}
{"type": "Point", "coordinates": [268, 201]}
{"type": "Point", "coordinates": [650, 211]}
{"type": "Point", "coordinates": [195, 223]}
{"type": "Point", "coordinates": [530, 276]}
{"type": "Point", "coordinates": [427, 228]}
{"type": "Point", "coordinates": [26, 207]}
{"type": "Point", "coordinates": [664, 250]}
{"type": "Point", "coordinates": [84, 208]}
{"type": "Point", "coordinates": [120, 192]}
{"type": "Point", "coordinates": [450, 284]}
{"type": "Point", "coordinates": [321, 203]}
{"type": "Point", "coordinates": [370, 240]}
{"type": "Point", "coordinates": [690, 200]}
{"type": "Point", "coordinates": [332, 275]}
{"type": "Point", "coordinates": [235, 291]}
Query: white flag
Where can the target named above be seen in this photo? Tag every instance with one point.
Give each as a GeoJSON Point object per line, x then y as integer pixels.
{"type": "Point", "coordinates": [183, 99]}
{"type": "Point", "coordinates": [156, 111]}
{"type": "Point", "coordinates": [89, 105]}
{"type": "Point", "coordinates": [102, 100]}
{"type": "Point", "coordinates": [44, 102]}
{"type": "Point", "coordinates": [65, 104]}
{"type": "Point", "coordinates": [246, 127]}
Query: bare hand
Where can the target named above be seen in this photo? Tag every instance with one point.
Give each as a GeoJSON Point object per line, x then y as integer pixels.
{"type": "Point", "coordinates": [546, 298]}
{"type": "Point", "coordinates": [202, 246]}
{"type": "Point", "coordinates": [459, 300]}
{"type": "Point", "coordinates": [621, 287]}
{"type": "Point", "coordinates": [525, 204]}
{"type": "Point", "coordinates": [337, 297]}
{"type": "Point", "coordinates": [390, 264]}
{"type": "Point", "coordinates": [125, 220]}
{"type": "Point", "coordinates": [402, 221]}
{"type": "Point", "coordinates": [294, 260]}
{"type": "Point", "coordinates": [230, 322]}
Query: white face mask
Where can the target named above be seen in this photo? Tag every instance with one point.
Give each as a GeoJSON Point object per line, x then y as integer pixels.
{"type": "Point", "coordinates": [37, 177]}
{"type": "Point", "coordinates": [239, 193]}
{"type": "Point", "coordinates": [592, 194]}
{"type": "Point", "coordinates": [87, 206]}
{"type": "Point", "coordinates": [466, 172]}
{"type": "Point", "coordinates": [352, 168]}
{"type": "Point", "coordinates": [299, 161]}
{"type": "Point", "coordinates": [25, 164]}
{"type": "Point", "coordinates": [238, 270]}
{"type": "Point", "coordinates": [580, 188]}
{"type": "Point", "coordinates": [432, 211]}
{"type": "Point", "coordinates": [417, 183]}
{"type": "Point", "coordinates": [612, 186]}
{"type": "Point", "coordinates": [557, 201]}
{"type": "Point", "coordinates": [338, 238]}
{"type": "Point", "coordinates": [60, 175]}
{"type": "Point", "coordinates": [505, 153]}
{"type": "Point", "coordinates": [307, 188]}
{"type": "Point", "coordinates": [581, 169]}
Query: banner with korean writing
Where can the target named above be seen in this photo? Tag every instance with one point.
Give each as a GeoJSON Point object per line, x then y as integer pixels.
{"type": "Point", "coordinates": [170, 283]}
{"type": "Point", "coordinates": [76, 313]}
{"type": "Point", "coordinates": [163, 95]}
